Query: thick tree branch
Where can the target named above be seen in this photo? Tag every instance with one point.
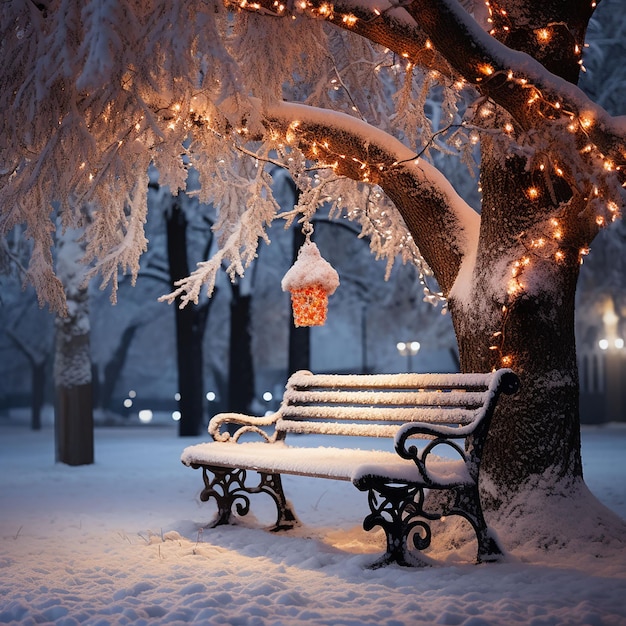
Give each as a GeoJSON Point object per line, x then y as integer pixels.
{"type": "Point", "coordinates": [534, 97]}
{"type": "Point", "coordinates": [438, 218]}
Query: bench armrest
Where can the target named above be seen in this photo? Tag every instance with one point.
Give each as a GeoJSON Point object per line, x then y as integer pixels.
{"type": "Point", "coordinates": [439, 435]}
{"type": "Point", "coordinates": [430, 430]}
{"type": "Point", "coordinates": [246, 423]}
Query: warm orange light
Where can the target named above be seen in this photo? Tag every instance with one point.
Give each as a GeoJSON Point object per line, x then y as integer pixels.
{"type": "Point", "coordinates": [309, 305]}
{"type": "Point", "coordinates": [543, 35]}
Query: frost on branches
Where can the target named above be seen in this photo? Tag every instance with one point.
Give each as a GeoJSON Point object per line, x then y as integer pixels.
{"type": "Point", "coordinates": [92, 93]}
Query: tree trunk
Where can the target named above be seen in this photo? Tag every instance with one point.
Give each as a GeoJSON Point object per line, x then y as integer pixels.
{"type": "Point", "coordinates": [114, 367]}
{"type": "Point", "coordinates": [72, 374]}
{"type": "Point", "coordinates": [537, 430]}
{"type": "Point", "coordinates": [74, 432]}
{"type": "Point", "coordinates": [72, 360]}
{"type": "Point", "coordinates": [190, 323]}
{"type": "Point", "coordinates": [38, 391]}
{"type": "Point", "coordinates": [240, 368]}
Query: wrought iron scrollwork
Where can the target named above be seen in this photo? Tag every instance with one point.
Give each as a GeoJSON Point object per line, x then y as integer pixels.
{"type": "Point", "coordinates": [396, 509]}
{"type": "Point", "coordinates": [229, 489]}
{"type": "Point", "coordinates": [399, 510]}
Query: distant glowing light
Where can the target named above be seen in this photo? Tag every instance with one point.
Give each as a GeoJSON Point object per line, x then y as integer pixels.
{"type": "Point", "coordinates": [128, 403]}
{"type": "Point", "coordinates": [177, 396]}
{"type": "Point", "coordinates": [604, 344]}
{"type": "Point", "coordinates": [145, 416]}
{"type": "Point", "coordinates": [267, 396]}
{"type": "Point", "coordinates": [176, 415]}
{"type": "Point", "coordinates": [210, 396]}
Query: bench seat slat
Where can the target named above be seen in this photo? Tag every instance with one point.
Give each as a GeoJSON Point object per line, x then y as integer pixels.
{"type": "Point", "coordinates": [320, 462]}
{"type": "Point", "coordinates": [381, 414]}
{"type": "Point", "coordinates": [304, 380]}
{"type": "Point", "coordinates": [336, 428]}
{"type": "Point", "coordinates": [470, 399]}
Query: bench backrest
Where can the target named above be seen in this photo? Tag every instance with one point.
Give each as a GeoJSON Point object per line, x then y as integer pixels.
{"type": "Point", "coordinates": [376, 405]}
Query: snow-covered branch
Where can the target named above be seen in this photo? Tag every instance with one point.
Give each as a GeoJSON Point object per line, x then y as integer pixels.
{"type": "Point", "coordinates": [443, 223]}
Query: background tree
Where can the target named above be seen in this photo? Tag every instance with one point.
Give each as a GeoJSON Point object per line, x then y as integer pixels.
{"type": "Point", "coordinates": [190, 323]}
{"type": "Point", "coordinates": [73, 411]}
{"type": "Point", "coordinates": [91, 95]}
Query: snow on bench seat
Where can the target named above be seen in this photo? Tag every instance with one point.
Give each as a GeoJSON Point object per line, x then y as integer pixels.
{"type": "Point", "coordinates": [322, 462]}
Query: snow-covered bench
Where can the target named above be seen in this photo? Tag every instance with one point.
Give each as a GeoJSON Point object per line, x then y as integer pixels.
{"type": "Point", "coordinates": [449, 410]}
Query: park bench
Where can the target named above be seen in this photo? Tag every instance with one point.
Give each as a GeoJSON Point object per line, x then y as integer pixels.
{"type": "Point", "coordinates": [443, 411]}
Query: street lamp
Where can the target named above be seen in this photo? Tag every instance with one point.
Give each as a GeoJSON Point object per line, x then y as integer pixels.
{"type": "Point", "coordinates": [613, 377]}
{"type": "Point", "coordinates": [617, 344]}
{"type": "Point", "coordinates": [409, 350]}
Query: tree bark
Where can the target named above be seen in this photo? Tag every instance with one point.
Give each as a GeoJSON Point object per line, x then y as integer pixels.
{"type": "Point", "coordinates": [72, 372]}
{"type": "Point", "coordinates": [72, 360]}
{"type": "Point", "coordinates": [190, 324]}
{"type": "Point", "coordinates": [74, 431]}
{"type": "Point", "coordinates": [240, 367]}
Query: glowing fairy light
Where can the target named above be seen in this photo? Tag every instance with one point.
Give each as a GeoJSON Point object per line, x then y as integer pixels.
{"type": "Point", "coordinates": [533, 193]}
{"type": "Point", "coordinates": [543, 35]}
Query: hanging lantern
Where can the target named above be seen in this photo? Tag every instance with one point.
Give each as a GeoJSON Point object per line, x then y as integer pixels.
{"type": "Point", "coordinates": [310, 280]}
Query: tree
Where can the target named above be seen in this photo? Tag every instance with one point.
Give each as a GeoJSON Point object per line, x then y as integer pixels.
{"type": "Point", "coordinates": [92, 94]}
{"type": "Point", "coordinates": [73, 412]}
{"type": "Point", "coordinates": [190, 325]}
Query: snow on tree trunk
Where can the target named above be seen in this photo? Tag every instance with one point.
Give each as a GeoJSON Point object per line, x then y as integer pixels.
{"type": "Point", "coordinates": [72, 360]}
{"type": "Point", "coordinates": [519, 313]}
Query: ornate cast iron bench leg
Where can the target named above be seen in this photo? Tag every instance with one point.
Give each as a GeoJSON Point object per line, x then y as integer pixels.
{"type": "Point", "coordinates": [395, 507]}
{"type": "Point", "coordinates": [467, 505]}
{"type": "Point", "coordinates": [228, 488]}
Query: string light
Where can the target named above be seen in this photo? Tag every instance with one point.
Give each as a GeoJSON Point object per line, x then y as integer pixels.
{"type": "Point", "coordinates": [543, 35]}
{"type": "Point", "coordinates": [548, 247]}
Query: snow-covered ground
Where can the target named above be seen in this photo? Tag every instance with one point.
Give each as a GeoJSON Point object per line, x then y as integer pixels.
{"type": "Point", "coordinates": [122, 542]}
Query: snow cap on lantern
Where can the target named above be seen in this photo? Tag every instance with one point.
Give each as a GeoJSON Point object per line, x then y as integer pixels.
{"type": "Point", "coordinates": [310, 280]}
